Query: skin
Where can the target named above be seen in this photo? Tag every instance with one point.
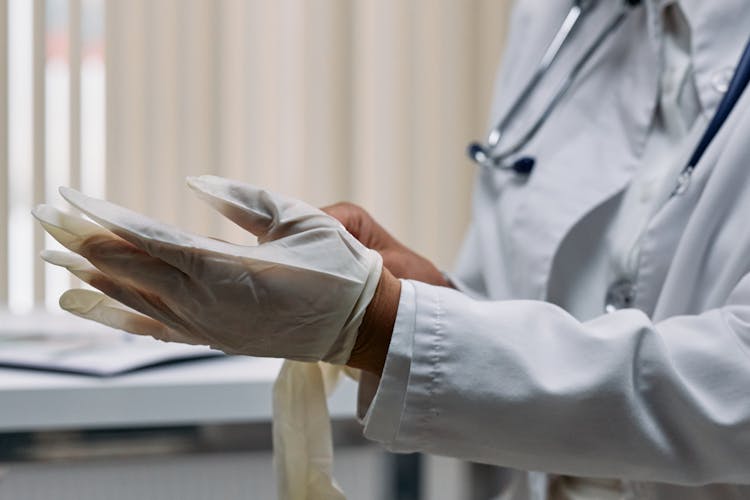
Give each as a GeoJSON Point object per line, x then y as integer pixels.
{"type": "Point", "coordinates": [374, 337]}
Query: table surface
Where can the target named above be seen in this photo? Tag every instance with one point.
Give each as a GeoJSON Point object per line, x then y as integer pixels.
{"type": "Point", "coordinates": [209, 391]}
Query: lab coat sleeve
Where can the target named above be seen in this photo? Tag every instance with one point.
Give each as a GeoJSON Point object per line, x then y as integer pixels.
{"type": "Point", "coordinates": [382, 420]}
{"type": "Point", "coordinates": [525, 385]}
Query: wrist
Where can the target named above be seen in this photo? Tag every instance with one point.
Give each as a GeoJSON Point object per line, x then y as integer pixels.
{"type": "Point", "coordinates": [374, 335]}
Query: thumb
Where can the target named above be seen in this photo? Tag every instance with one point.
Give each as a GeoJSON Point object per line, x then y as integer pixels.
{"type": "Point", "coordinates": [267, 215]}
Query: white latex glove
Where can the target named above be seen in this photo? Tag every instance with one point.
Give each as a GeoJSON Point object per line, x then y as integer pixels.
{"type": "Point", "coordinates": [303, 448]}
{"type": "Point", "coordinates": [300, 294]}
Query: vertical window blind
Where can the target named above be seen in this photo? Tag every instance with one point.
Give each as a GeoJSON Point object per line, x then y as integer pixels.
{"type": "Point", "coordinates": [51, 53]}
{"type": "Point", "coordinates": [364, 100]}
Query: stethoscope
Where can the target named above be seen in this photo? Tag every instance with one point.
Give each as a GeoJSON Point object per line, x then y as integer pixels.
{"type": "Point", "coordinates": [491, 156]}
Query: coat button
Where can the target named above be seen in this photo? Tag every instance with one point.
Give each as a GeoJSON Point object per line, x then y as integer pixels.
{"type": "Point", "coordinates": [620, 295]}
{"type": "Point", "coordinates": [721, 79]}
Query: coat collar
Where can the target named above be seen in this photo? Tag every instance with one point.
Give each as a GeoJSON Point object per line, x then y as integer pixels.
{"type": "Point", "coordinates": [718, 31]}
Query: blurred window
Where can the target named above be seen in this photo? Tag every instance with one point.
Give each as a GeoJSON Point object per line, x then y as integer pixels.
{"type": "Point", "coordinates": [55, 131]}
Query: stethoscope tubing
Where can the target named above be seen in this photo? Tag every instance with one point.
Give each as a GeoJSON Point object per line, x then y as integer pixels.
{"type": "Point", "coordinates": [485, 155]}
{"type": "Point", "coordinates": [736, 88]}
{"type": "Point", "coordinates": [550, 56]}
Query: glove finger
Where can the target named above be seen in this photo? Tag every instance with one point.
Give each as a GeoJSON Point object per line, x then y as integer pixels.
{"type": "Point", "coordinates": [144, 302]}
{"type": "Point", "coordinates": [96, 306]}
{"type": "Point", "coordinates": [70, 230]}
{"type": "Point", "coordinates": [74, 263]}
{"type": "Point", "coordinates": [267, 215]}
{"type": "Point", "coordinates": [174, 246]}
{"type": "Point", "coordinates": [117, 259]}
{"type": "Point", "coordinates": [121, 260]}
{"type": "Point", "coordinates": [108, 252]}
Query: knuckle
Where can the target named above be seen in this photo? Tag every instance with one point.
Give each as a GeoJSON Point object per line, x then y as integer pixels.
{"type": "Point", "coordinates": [349, 214]}
{"type": "Point", "coordinates": [343, 207]}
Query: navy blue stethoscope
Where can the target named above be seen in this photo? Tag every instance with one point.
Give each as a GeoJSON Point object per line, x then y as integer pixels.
{"type": "Point", "coordinates": [491, 156]}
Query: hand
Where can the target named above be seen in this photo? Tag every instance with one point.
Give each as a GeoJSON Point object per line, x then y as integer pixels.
{"type": "Point", "coordinates": [302, 293]}
{"type": "Point", "coordinates": [397, 258]}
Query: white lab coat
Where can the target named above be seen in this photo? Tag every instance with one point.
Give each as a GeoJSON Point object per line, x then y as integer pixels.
{"type": "Point", "coordinates": [655, 394]}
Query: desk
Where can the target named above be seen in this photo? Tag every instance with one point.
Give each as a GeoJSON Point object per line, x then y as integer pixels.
{"type": "Point", "coordinates": [221, 390]}
{"type": "Point", "coordinates": [207, 392]}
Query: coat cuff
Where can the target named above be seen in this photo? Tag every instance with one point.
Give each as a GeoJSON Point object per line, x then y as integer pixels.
{"type": "Point", "coordinates": [402, 405]}
{"type": "Point", "coordinates": [384, 413]}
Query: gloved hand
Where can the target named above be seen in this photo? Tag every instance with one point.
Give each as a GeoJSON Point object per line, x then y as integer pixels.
{"type": "Point", "coordinates": [300, 294]}
{"type": "Point", "coordinates": [397, 257]}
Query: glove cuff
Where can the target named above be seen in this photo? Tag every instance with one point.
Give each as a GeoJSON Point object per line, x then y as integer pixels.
{"type": "Point", "coordinates": [341, 349]}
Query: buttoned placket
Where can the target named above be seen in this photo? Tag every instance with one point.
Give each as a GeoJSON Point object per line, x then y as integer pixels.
{"type": "Point", "coordinates": [677, 112]}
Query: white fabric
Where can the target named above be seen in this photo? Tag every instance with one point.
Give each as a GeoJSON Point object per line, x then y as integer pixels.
{"type": "Point", "coordinates": [300, 294]}
{"type": "Point", "coordinates": [675, 127]}
{"type": "Point", "coordinates": [578, 284]}
{"type": "Point", "coordinates": [651, 395]}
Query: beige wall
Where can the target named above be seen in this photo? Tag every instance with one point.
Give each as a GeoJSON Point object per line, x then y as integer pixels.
{"type": "Point", "coordinates": [365, 100]}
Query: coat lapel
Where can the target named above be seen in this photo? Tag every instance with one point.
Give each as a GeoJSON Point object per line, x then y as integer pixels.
{"type": "Point", "coordinates": [593, 141]}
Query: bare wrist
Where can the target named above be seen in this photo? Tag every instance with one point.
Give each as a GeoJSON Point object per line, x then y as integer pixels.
{"type": "Point", "coordinates": [374, 336]}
